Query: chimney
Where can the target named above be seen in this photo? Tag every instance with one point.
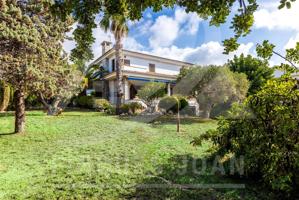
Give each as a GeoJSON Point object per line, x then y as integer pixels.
{"type": "Point", "coordinates": [106, 46]}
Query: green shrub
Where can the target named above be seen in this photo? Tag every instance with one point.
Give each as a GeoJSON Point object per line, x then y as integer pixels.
{"type": "Point", "coordinates": [220, 109]}
{"type": "Point", "coordinates": [85, 101]}
{"type": "Point", "coordinates": [124, 109]}
{"type": "Point", "coordinates": [135, 106]}
{"type": "Point", "coordinates": [32, 101]}
{"type": "Point", "coordinates": [183, 102]}
{"type": "Point", "coordinates": [265, 130]}
{"type": "Point", "coordinates": [130, 108]}
{"type": "Point", "coordinates": [151, 91]}
{"type": "Point", "coordinates": [101, 105]}
{"type": "Point", "coordinates": [110, 110]}
{"type": "Point", "coordinates": [170, 103]}
{"type": "Point", "coordinates": [189, 110]}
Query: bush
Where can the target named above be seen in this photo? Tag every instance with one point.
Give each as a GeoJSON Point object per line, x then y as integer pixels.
{"type": "Point", "coordinates": [265, 130]}
{"type": "Point", "coordinates": [135, 106]}
{"type": "Point", "coordinates": [101, 105]}
{"type": "Point", "coordinates": [170, 104]}
{"type": "Point", "coordinates": [189, 110]}
{"type": "Point", "coordinates": [130, 108]}
{"type": "Point", "coordinates": [220, 109]}
{"type": "Point", "coordinates": [124, 109]}
{"type": "Point", "coordinates": [151, 91]}
{"type": "Point", "coordinates": [32, 101]}
{"type": "Point", "coordinates": [111, 110]}
{"type": "Point", "coordinates": [85, 102]}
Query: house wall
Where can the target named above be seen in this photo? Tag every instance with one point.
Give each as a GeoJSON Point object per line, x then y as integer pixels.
{"type": "Point", "coordinates": [142, 65]}
{"type": "Point", "coordinates": [139, 63]}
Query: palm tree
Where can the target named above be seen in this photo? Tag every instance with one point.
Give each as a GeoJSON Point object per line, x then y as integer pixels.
{"type": "Point", "coordinates": [117, 25]}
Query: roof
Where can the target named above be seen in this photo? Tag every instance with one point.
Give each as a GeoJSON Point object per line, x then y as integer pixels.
{"type": "Point", "coordinates": [150, 56]}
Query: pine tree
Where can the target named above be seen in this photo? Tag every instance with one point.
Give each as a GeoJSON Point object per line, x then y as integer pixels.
{"type": "Point", "coordinates": [30, 50]}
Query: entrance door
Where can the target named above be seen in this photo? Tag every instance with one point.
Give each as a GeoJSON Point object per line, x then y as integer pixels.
{"type": "Point", "coordinates": [133, 92]}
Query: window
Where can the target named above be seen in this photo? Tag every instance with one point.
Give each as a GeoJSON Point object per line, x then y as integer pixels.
{"type": "Point", "coordinates": [127, 62]}
{"type": "Point", "coordinates": [113, 65]}
{"type": "Point", "coordinates": [152, 67]}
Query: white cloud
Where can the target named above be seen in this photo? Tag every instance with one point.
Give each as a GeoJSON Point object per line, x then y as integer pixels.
{"type": "Point", "coordinates": [208, 53]}
{"type": "Point", "coordinates": [270, 17]}
{"type": "Point", "coordinates": [167, 29]}
{"type": "Point", "coordinates": [144, 27]}
{"type": "Point", "coordinates": [98, 33]}
{"type": "Point", "coordinates": [292, 42]}
{"type": "Point", "coordinates": [100, 36]}
{"type": "Point", "coordinates": [164, 31]}
{"type": "Point", "coordinates": [131, 44]}
{"type": "Point", "coordinates": [192, 21]}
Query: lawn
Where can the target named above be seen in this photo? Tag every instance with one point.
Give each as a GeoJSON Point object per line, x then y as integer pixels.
{"type": "Point", "coordinates": [88, 155]}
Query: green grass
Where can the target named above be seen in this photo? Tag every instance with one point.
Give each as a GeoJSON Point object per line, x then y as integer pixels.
{"type": "Point", "coordinates": [88, 155]}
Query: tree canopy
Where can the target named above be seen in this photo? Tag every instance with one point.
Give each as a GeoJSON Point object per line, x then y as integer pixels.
{"type": "Point", "coordinates": [151, 91]}
{"type": "Point", "coordinates": [216, 11]}
{"type": "Point", "coordinates": [256, 70]}
{"type": "Point", "coordinates": [31, 50]}
{"type": "Point", "coordinates": [266, 51]}
{"type": "Point", "coordinates": [264, 129]}
{"type": "Point", "coordinates": [212, 85]}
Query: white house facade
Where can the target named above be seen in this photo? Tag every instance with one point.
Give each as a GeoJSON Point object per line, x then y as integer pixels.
{"type": "Point", "coordinates": [138, 69]}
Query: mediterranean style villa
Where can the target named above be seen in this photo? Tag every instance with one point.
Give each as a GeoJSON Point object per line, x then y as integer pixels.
{"type": "Point", "coordinates": [139, 68]}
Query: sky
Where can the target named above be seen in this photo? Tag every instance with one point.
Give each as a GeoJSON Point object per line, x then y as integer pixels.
{"type": "Point", "coordinates": [173, 33]}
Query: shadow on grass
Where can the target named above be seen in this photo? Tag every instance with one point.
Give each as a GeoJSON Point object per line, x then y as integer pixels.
{"type": "Point", "coordinates": [164, 119]}
{"type": "Point", "coordinates": [185, 177]}
{"type": "Point", "coordinates": [7, 134]}
{"type": "Point", "coordinates": [7, 114]}
{"type": "Point", "coordinates": [12, 113]}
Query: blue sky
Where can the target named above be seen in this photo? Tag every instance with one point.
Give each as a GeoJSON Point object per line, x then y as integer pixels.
{"type": "Point", "coordinates": [175, 34]}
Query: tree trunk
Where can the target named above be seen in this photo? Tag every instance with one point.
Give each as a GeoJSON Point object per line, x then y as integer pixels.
{"type": "Point", "coordinates": [20, 111]}
{"type": "Point", "coordinates": [54, 109]}
{"type": "Point", "coordinates": [207, 111]}
{"type": "Point", "coordinates": [206, 114]}
{"type": "Point", "coordinates": [178, 122]}
{"type": "Point", "coordinates": [118, 59]}
{"type": "Point", "coordinates": [6, 97]}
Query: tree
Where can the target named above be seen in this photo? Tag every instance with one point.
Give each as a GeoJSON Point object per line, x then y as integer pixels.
{"type": "Point", "coordinates": [4, 96]}
{"type": "Point", "coordinates": [116, 23]}
{"type": "Point", "coordinates": [31, 46]}
{"type": "Point", "coordinates": [256, 70]}
{"type": "Point", "coordinates": [68, 82]}
{"type": "Point", "coordinates": [174, 104]}
{"type": "Point", "coordinates": [265, 130]}
{"type": "Point", "coordinates": [151, 91]}
{"type": "Point", "coordinates": [212, 85]}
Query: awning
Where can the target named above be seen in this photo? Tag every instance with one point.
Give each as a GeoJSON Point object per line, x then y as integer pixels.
{"type": "Point", "coordinates": [149, 80]}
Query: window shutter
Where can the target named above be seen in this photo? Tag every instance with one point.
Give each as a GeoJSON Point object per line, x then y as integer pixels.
{"type": "Point", "coordinates": [113, 65]}
{"type": "Point", "coordinates": [127, 62]}
{"type": "Point", "coordinates": [152, 67]}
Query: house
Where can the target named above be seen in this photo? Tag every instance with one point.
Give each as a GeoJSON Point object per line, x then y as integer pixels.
{"type": "Point", "coordinates": [138, 69]}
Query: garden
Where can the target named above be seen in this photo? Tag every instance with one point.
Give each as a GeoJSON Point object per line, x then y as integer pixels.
{"type": "Point", "coordinates": [239, 139]}
{"type": "Point", "coordinates": [89, 155]}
